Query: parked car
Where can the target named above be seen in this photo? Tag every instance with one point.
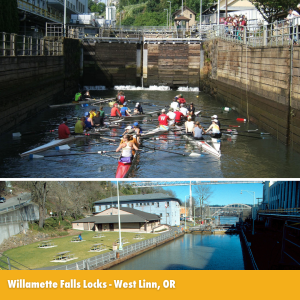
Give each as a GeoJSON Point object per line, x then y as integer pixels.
{"type": "Point", "coordinates": [2, 200]}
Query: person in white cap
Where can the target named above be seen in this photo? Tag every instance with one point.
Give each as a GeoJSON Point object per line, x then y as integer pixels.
{"type": "Point", "coordinates": [216, 118]}
{"type": "Point", "coordinates": [171, 116]}
{"type": "Point", "coordinates": [174, 104]}
{"type": "Point", "coordinates": [139, 107]}
{"type": "Point", "coordinates": [163, 120]}
{"type": "Point", "coordinates": [214, 129]}
{"type": "Point", "coordinates": [183, 110]}
{"type": "Point", "coordinates": [189, 125]}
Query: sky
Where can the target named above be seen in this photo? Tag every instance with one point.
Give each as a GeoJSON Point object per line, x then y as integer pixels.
{"type": "Point", "coordinates": [224, 194]}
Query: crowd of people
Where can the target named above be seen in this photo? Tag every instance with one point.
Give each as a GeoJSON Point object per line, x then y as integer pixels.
{"type": "Point", "coordinates": [235, 25]}
{"type": "Point", "coordinates": [178, 114]}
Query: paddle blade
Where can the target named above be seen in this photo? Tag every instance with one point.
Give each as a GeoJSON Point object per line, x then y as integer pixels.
{"type": "Point", "coordinates": [62, 147]}
{"type": "Point", "coordinates": [35, 156]}
{"type": "Point", "coordinates": [194, 154]}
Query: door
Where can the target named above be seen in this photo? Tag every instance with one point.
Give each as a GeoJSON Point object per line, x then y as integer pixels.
{"type": "Point", "coordinates": [99, 227]}
{"type": "Point", "coordinates": [111, 226]}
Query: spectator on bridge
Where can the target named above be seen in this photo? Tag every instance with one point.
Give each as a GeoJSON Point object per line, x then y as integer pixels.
{"type": "Point", "coordinates": [293, 21]}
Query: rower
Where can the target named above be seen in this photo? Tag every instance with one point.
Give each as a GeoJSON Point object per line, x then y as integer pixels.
{"type": "Point", "coordinates": [138, 130]}
{"type": "Point", "coordinates": [139, 108]}
{"type": "Point", "coordinates": [63, 130]}
{"type": "Point", "coordinates": [163, 120]}
{"type": "Point", "coordinates": [174, 104]}
{"type": "Point", "coordinates": [127, 146]}
{"type": "Point", "coordinates": [191, 110]}
{"type": "Point", "coordinates": [78, 97]}
{"type": "Point", "coordinates": [115, 111]}
{"type": "Point", "coordinates": [216, 117]}
{"type": "Point", "coordinates": [102, 116]}
{"type": "Point", "coordinates": [184, 110]}
{"type": "Point", "coordinates": [121, 97]}
{"type": "Point", "coordinates": [179, 115]}
{"type": "Point", "coordinates": [88, 121]}
{"type": "Point", "coordinates": [96, 119]}
{"type": "Point", "coordinates": [198, 131]}
{"type": "Point", "coordinates": [124, 111]}
{"type": "Point", "coordinates": [136, 111]}
{"type": "Point", "coordinates": [215, 129]}
{"type": "Point", "coordinates": [80, 125]}
{"type": "Point", "coordinates": [181, 100]}
{"type": "Point", "coordinates": [93, 113]}
{"type": "Point", "coordinates": [171, 116]}
{"type": "Point", "coordinates": [86, 94]}
{"type": "Point", "coordinates": [189, 125]}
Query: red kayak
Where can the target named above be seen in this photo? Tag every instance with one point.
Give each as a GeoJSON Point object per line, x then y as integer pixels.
{"type": "Point", "coordinates": [124, 169]}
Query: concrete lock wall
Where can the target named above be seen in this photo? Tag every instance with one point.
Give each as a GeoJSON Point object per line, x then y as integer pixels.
{"type": "Point", "coordinates": [29, 84]}
{"type": "Point", "coordinates": [260, 83]}
{"type": "Point", "coordinates": [14, 222]}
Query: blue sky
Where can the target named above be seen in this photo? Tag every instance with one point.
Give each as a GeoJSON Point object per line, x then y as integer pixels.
{"type": "Point", "coordinates": [224, 194]}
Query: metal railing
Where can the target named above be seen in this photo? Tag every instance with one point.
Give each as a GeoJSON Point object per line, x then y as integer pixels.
{"type": "Point", "coordinates": [14, 207]}
{"type": "Point", "coordinates": [276, 34]}
{"type": "Point", "coordinates": [254, 265]}
{"type": "Point", "coordinates": [108, 257]}
{"type": "Point", "coordinates": [7, 263]}
{"type": "Point", "coordinates": [38, 11]}
{"type": "Point", "coordinates": [20, 45]}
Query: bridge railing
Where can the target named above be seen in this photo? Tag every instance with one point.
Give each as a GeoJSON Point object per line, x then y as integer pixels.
{"type": "Point", "coordinates": [21, 45]}
{"type": "Point", "coordinates": [275, 34]}
{"type": "Point", "coordinates": [281, 211]}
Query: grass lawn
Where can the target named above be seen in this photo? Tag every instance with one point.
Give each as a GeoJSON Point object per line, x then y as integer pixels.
{"type": "Point", "coordinates": [33, 257]}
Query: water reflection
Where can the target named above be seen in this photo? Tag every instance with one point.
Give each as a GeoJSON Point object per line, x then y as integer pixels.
{"type": "Point", "coordinates": [191, 252]}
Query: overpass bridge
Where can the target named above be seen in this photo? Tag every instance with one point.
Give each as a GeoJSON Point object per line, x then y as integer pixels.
{"type": "Point", "coordinates": [237, 208]}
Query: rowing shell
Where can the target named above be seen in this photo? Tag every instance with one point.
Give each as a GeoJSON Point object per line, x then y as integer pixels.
{"type": "Point", "coordinates": [205, 146]}
{"type": "Point", "coordinates": [81, 102]}
{"type": "Point", "coordinates": [153, 132]}
{"type": "Point", "coordinates": [50, 145]}
{"type": "Point", "coordinates": [124, 169]}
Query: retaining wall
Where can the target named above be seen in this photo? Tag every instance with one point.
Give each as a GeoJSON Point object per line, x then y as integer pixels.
{"type": "Point", "coordinates": [28, 84]}
{"type": "Point", "coordinates": [260, 83]}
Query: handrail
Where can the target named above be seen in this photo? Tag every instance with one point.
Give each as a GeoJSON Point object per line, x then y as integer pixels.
{"type": "Point", "coordinates": [254, 265]}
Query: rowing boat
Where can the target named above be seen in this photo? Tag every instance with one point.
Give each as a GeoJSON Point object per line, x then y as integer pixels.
{"type": "Point", "coordinates": [50, 145]}
{"type": "Point", "coordinates": [134, 117]}
{"type": "Point", "coordinates": [205, 146]}
{"type": "Point", "coordinates": [89, 101]}
{"type": "Point", "coordinates": [153, 132]}
{"type": "Point", "coordinates": [124, 169]}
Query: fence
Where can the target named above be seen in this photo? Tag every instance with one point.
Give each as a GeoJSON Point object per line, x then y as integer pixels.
{"type": "Point", "coordinates": [14, 207]}
{"type": "Point", "coordinates": [105, 258]}
{"type": "Point", "coordinates": [7, 263]}
{"type": "Point", "coordinates": [249, 250]}
{"type": "Point", "coordinates": [21, 45]}
{"type": "Point", "coordinates": [272, 35]}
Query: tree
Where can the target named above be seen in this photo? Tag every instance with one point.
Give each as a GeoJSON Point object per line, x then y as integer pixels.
{"type": "Point", "coordinates": [39, 191]}
{"type": "Point", "coordinates": [203, 193]}
{"type": "Point", "coordinates": [270, 9]}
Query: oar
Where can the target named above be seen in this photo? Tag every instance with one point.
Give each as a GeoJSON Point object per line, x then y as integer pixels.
{"type": "Point", "coordinates": [218, 118]}
{"type": "Point", "coordinates": [192, 154]}
{"type": "Point", "coordinates": [254, 137]}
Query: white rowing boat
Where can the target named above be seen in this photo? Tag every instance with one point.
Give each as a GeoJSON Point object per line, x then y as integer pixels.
{"type": "Point", "coordinates": [215, 150]}
{"type": "Point", "coordinates": [87, 101]}
{"type": "Point", "coordinates": [52, 144]}
{"type": "Point", "coordinates": [153, 132]}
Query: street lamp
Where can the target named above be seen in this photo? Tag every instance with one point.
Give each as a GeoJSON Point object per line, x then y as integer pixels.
{"type": "Point", "coordinates": [167, 16]}
{"type": "Point", "coordinates": [170, 20]}
{"type": "Point", "coordinates": [252, 208]}
{"type": "Point", "coordinates": [119, 219]}
{"type": "Point", "coordinates": [185, 211]}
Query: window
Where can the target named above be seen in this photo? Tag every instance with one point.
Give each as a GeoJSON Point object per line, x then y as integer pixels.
{"type": "Point", "coordinates": [106, 206]}
{"type": "Point", "coordinates": [132, 205]}
{"type": "Point", "coordinates": [157, 204]}
{"type": "Point", "coordinates": [141, 204]}
{"type": "Point", "coordinates": [168, 204]}
{"type": "Point", "coordinates": [190, 16]}
{"type": "Point", "coordinates": [152, 203]}
{"type": "Point", "coordinates": [160, 214]}
{"type": "Point", "coordinates": [167, 214]}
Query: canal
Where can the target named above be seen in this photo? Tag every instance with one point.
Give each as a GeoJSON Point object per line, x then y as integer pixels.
{"type": "Point", "coordinates": [246, 155]}
{"type": "Point", "coordinates": [191, 252]}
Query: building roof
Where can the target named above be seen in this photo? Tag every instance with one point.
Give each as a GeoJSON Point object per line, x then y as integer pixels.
{"type": "Point", "coordinates": [184, 8]}
{"type": "Point", "coordinates": [182, 18]}
{"type": "Point", "coordinates": [140, 197]}
{"type": "Point", "coordinates": [135, 216]}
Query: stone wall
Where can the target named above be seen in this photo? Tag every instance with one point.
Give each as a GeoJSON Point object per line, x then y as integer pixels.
{"type": "Point", "coordinates": [28, 84]}
{"type": "Point", "coordinates": [257, 83]}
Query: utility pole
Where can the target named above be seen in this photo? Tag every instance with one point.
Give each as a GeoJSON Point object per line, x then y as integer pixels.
{"type": "Point", "coordinates": [65, 17]}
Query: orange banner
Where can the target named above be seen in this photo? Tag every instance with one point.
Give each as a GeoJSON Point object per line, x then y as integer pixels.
{"type": "Point", "coordinates": [149, 284]}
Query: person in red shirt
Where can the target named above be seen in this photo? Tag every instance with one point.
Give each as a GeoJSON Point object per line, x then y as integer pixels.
{"type": "Point", "coordinates": [115, 111]}
{"type": "Point", "coordinates": [179, 115]}
{"type": "Point", "coordinates": [181, 100]}
{"type": "Point", "coordinates": [163, 120]}
{"type": "Point", "coordinates": [63, 130]}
